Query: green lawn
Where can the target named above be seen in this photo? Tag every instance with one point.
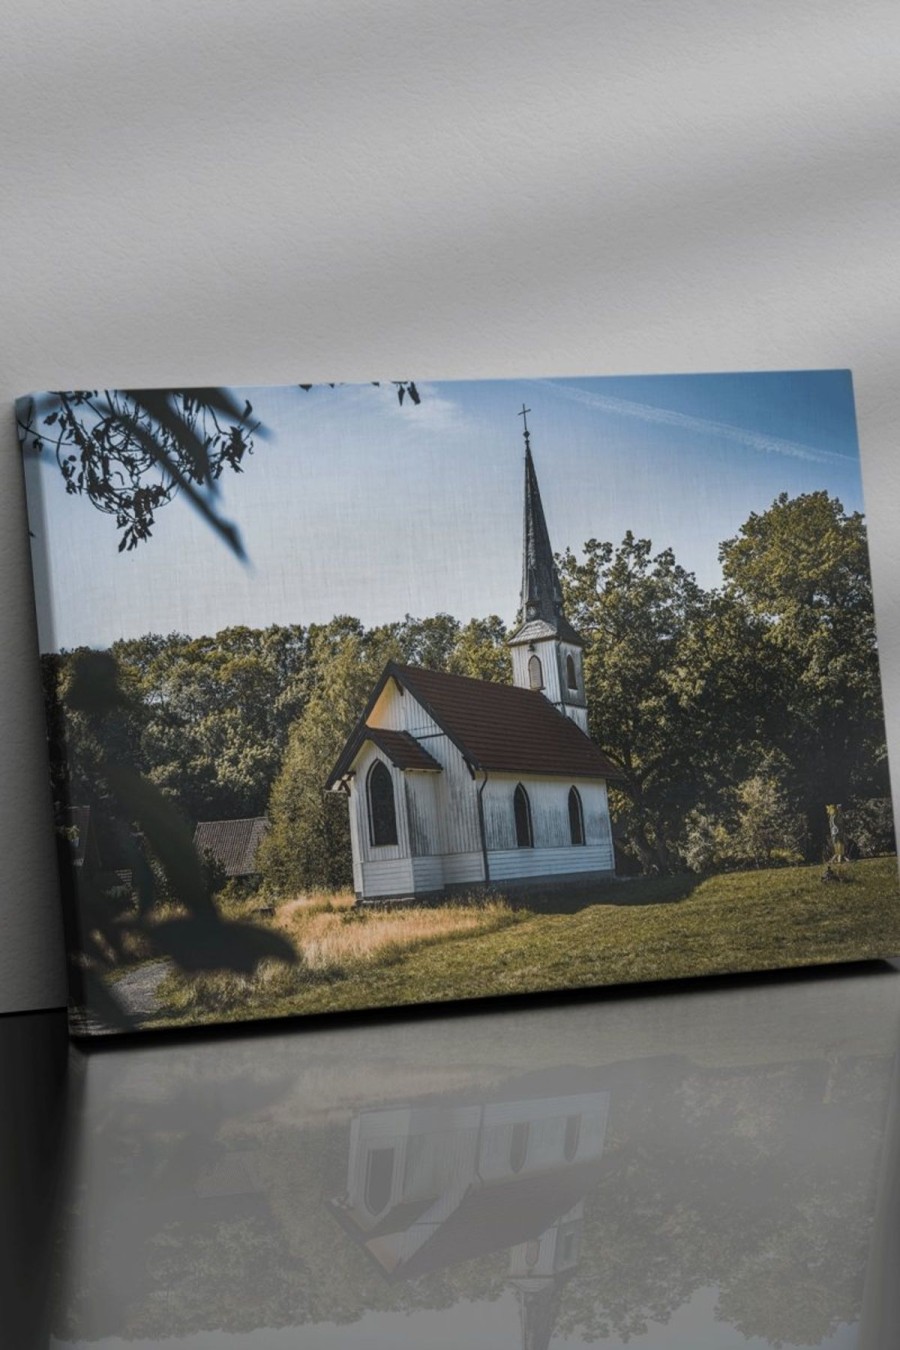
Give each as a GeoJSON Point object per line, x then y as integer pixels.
{"type": "Point", "coordinates": [645, 929]}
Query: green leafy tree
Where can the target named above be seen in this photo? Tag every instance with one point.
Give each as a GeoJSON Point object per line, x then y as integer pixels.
{"type": "Point", "coordinates": [767, 825]}
{"type": "Point", "coordinates": [137, 828]}
{"type": "Point", "coordinates": [481, 651]}
{"type": "Point", "coordinates": [218, 712]}
{"type": "Point", "coordinates": [309, 841]}
{"type": "Point", "coordinates": [635, 611]}
{"type": "Point", "coordinates": [424, 642]}
{"type": "Point", "coordinates": [802, 569]}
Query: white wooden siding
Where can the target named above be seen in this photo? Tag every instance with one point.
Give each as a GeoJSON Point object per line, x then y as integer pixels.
{"type": "Point", "coordinates": [355, 846]}
{"type": "Point", "coordinates": [428, 874]}
{"type": "Point", "coordinates": [549, 801]}
{"type": "Point", "coordinates": [393, 877]}
{"type": "Point", "coordinates": [510, 864]}
{"type": "Point", "coordinates": [396, 711]}
{"type": "Point", "coordinates": [546, 1121]}
{"type": "Point", "coordinates": [439, 840]}
{"type": "Point", "coordinates": [552, 655]}
{"type": "Point", "coordinates": [462, 868]}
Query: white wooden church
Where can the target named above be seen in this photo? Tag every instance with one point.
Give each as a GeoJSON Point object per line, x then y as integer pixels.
{"type": "Point", "coordinates": [454, 782]}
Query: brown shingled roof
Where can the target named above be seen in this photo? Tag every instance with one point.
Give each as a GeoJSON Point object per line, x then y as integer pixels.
{"type": "Point", "coordinates": [497, 727]}
{"type": "Point", "coordinates": [402, 749]}
{"type": "Point", "coordinates": [232, 842]}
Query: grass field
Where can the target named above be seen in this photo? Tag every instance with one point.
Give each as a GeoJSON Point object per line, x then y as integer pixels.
{"type": "Point", "coordinates": [623, 931]}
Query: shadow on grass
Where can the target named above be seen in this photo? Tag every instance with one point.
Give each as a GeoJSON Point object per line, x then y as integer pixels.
{"type": "Point", "coordinates": [570, 899]}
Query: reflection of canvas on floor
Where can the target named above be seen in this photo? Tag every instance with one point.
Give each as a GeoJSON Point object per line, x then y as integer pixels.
{"type": "Point", "coordinates": [314, 746]}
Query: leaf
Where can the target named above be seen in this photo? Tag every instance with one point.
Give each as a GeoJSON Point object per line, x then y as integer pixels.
{"type": "Point", "coordinates": [222, 527]}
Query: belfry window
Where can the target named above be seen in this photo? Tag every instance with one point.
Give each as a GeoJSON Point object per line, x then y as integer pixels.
{"type": "Point", "coordinates": [576, 817]}
{"type": "Point", "coordinates": [571, 673]}
{"type": "Point", "coordinates": [522, 810]}
{"type": "Point", "coordinates": [382, 811]}
{"type": "Point", "coordinates": [535, 672]}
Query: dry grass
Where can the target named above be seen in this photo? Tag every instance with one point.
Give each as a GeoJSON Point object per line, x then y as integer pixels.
{"type": "Point", "coordinates": [333, 940]}
{"type": "Point", "coordinates": [340, 937]}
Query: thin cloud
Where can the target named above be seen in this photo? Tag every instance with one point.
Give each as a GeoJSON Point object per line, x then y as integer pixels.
{"type": "Point", "coordinates": [435, 413]}
{"type": "Point", "coordinates": [646, 412]}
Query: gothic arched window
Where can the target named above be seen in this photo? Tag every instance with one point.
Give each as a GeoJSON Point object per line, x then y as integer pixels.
{"type": "Point", "coordinates": [379, 1179]}
{"type": "Point", "coordinates": [522, 810]}
{"type": "Point", "coordinates": [382, 811]}
{"type": "Point", "coordinates": [571, 672]}
{"type": "Point", "coordinates": [535, 672]}
{"type": "Point", "coordinates": [518, 1145]}
{"type": "Point", "coordinates": [576, 817]}
{"type": "Point", "coordinates": [573, 1134]}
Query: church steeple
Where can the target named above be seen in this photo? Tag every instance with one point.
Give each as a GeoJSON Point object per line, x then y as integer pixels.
{"type": "Point", "coordinates": [546, 650]}
{"type": "Point", "coordinates": [541, 596]}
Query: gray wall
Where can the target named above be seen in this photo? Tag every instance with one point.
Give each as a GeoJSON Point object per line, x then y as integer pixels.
{"type": "Point", "coordinates": [229, 193]}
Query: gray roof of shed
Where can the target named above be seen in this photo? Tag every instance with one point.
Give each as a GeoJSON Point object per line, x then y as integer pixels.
{"type": "Point", "coordinates": [233, 842]}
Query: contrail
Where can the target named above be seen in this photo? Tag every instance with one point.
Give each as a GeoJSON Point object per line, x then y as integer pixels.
{"type": "Point", "coordinates": [645, 412]}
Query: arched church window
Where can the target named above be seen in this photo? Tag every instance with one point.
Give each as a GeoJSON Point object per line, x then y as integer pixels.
{"type": "Point", "coordinates": [573, 1134]}
{"type": "Point", "coordinates": [382, 811]}
{"type": "Point", "coordinates": [535, 672]}
{"type": "Point", "coordinates": [571, 672]}
{"type": "Point", "coordinates": [379, 1179]}
{"type": "Point", "coordinates": [576, 817]}
{"type": "Point", "coordinates": [522, 809]}
{"type": "Point", "coordinates": [518, 1145]}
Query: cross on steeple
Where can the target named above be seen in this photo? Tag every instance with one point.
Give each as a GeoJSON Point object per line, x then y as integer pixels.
{"type": "Point", "coordinates": [524, 416]}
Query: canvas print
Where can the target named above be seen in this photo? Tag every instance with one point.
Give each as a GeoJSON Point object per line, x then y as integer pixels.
{"type": "Point", "coordinates": [373, 695]}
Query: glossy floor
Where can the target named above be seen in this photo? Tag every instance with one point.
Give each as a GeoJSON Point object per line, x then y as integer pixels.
{"type": "Point", "coordinates": [709, 1165]}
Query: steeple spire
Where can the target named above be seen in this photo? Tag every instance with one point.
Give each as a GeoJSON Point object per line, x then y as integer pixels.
{"type": "Point", "coordinates": [541, 597]}
{"type": "Point", "coordinates": [545, 649]}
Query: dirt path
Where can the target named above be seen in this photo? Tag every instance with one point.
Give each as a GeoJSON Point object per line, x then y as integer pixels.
{"type": "Point", "coordinates": [136, 991]}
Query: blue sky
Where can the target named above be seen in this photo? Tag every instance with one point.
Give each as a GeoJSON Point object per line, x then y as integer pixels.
{"type": "Point", "coordinates": [356, 505]}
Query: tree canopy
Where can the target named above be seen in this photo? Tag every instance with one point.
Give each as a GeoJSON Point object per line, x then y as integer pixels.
{"type": "Point", "coordinates": [735, 714]}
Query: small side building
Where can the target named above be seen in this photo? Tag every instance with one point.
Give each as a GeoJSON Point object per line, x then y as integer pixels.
{"type": "Point", "coordinates": [234, 844]}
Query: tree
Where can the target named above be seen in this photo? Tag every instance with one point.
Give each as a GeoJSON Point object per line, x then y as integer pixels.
{"type": "Point", "coordinates": [217, 714]}
{"type": "Point", "coordinates": [767, 826]}
{"type": "Point", "coordinates": [802, 570]}
{"type": "Point", "coordinates": [308, 844]}
{"type": "Point", "coordinates": [481, 651]}
{"type": "Point", "coordinates": [131, 451]}
{"type": "Point", "coordinates": [635, 612]}
{"type": "Point", "coordinates": [138, 829]}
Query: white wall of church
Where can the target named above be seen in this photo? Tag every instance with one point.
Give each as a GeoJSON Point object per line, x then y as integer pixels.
{"type": "Point", "coordinates": [439, 840]}
{"type": "Point", "coordinates": [549, 802]}
{"type": "Point", "coordinates": [553, 853]}
{"type": "Point", "coordinates": [443, 809]}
